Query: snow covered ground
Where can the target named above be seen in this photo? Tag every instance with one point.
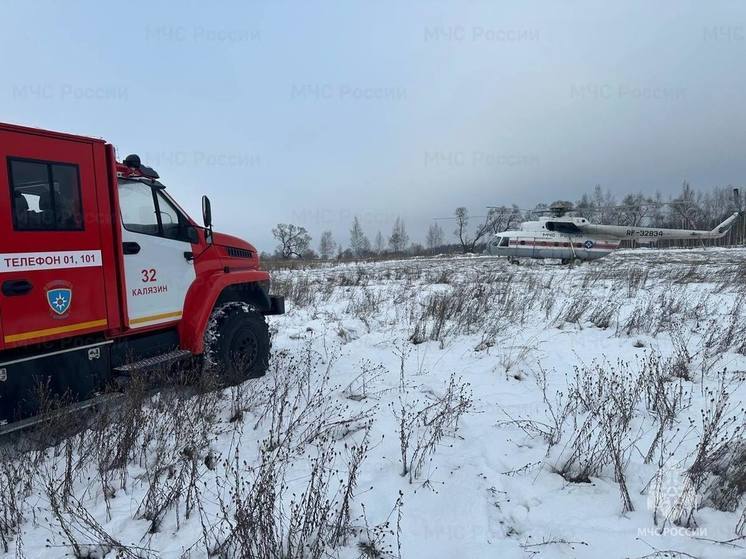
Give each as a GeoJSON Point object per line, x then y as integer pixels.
{"type": "Point", "coordinates": [444, 407]}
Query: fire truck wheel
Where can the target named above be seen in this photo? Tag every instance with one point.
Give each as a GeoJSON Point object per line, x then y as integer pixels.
{"type": "Point", "coordinates": [238, 343]}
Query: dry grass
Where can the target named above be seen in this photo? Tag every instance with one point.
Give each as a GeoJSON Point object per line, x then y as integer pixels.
{"type": "Point", "coordinates": [249, 501]}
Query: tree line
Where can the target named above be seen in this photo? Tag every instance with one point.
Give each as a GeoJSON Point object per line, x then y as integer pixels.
{"type": "Point", "coordinates": [295, 242]}
{"type": "Point", "coordinates": [689, 209]}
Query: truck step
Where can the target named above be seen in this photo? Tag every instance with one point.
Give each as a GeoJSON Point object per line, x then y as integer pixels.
{"type": "Point", "coordinates": [156, 362]}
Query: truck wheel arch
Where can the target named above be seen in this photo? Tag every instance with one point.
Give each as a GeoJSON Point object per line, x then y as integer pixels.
{"type": "Point", "coordinates": [203, 296]}
{"type": "Point", "coordinates": [252, 293]}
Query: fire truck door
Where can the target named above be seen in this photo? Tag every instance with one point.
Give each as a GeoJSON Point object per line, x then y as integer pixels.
{"type": "Point", "coordinates": [157, 254]}
{"type": "Point", "coordinates": [51, 269]}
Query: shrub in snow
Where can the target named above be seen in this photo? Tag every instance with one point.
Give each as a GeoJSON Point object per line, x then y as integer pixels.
{"type": "Point", "coordinates": [719, 454]}
{"type": "Point", "coordinates": [728, 485]}
{"type": "Point", "coordinates": [423, 425]}
{"type": "Point", "coordinates": [604, 405]}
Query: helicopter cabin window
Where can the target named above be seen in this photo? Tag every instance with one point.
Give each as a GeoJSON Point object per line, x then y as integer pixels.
{"type": "Point", "coordinates": [523, 242]}
{"type": "Point", "coordinates": [45, 196]}
{"type": "Point", "coordinates": [565, 244]}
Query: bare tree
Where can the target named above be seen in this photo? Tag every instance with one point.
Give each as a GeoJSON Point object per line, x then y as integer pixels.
{"type": "Point", "coordinates": [359, 243]}
{"type": "Point", "coordinates": [327, 246]}
{"type": "Point", "coordinates": [466, 239]}
{"type": "Point", "coordinates": [462, 223]}
{"type": "Point", "coordinates": [687, 212]}
{"type": "Point", "coordinates": [603, 203]}
{"type": "Point", "coordinates": [502, 218]}
{"type": "Point", "coordinates": [656, 216]}
{"type": "Point", "coordinates": [294, 240]}
{"type": "Point", "coordinates": [399, 239]}
{"type": "Point", "coordinates": [380, 244]}
{"type": "Point", "coordinates": [585, 207]}
{"type": "Point", "coordinates": [634, 208]}
{"type": "Point", "coordinates": [434, 236]}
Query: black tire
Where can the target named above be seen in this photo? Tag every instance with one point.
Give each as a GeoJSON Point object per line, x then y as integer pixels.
{"type": "Point", "coordinates": [237, 343]}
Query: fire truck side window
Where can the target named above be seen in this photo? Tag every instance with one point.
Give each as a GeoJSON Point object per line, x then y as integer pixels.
{"type": "Point", "coordinates": [137, 204]}
{"type": "Point", "coordinates": [45, 196]}
{"type": "Point", "coordinates": [172, 220]}
{"type": "Point", "coordinates": [146, 210]}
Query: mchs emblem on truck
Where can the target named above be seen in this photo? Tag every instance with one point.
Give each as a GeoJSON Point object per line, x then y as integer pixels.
{"type": "Point", "coordinates": [103, 276]}
{"type": "Point", "coordinates": [59, 299]}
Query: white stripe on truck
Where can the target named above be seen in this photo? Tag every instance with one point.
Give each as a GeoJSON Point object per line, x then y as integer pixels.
{"type": "Point", "coordinates": [30, 261]}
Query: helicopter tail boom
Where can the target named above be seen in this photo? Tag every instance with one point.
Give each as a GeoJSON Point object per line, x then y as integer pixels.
{"type": "Point", "coordinates": [650, 234]}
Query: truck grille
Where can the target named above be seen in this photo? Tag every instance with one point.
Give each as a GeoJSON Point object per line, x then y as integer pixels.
{"type": "Point", "coordinates": [239, 252]}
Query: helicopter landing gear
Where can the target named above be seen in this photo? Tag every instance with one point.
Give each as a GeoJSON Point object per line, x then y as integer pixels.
{"type": "Point", "coordinates": [513, 260]}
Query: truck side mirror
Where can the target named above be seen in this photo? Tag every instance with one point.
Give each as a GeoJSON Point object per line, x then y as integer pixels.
{"type": "Point", "coordinates": [206, 212]}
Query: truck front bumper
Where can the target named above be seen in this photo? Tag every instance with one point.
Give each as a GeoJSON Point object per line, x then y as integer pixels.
{"type": "Point", "coordinates": [277, 305]}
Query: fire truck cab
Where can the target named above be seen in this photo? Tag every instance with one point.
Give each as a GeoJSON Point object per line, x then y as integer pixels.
{"type": "Point", "coordinates": [102, 275]}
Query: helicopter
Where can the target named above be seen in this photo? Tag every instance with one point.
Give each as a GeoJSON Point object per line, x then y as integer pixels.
{"type": "Point", "coordinates": [570, 238]}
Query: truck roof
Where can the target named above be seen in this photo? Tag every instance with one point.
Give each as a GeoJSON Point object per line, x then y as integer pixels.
{"type": "Point", "coordinates": [49, 133]}
{"type": "Point", "coordinates": [122, 169]}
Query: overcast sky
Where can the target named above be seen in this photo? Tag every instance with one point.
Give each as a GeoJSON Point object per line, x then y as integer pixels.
{"type": "Point", "coordinates": [314, 111]}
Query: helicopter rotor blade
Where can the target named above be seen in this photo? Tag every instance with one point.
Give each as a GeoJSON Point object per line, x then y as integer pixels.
{"type": "Point", "coordinates": [454, 217]}
{"type": "Point", "coordinates": [678, 205]}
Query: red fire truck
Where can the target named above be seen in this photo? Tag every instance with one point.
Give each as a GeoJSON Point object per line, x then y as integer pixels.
{"type": "Point", "coordinates": [103, 275]}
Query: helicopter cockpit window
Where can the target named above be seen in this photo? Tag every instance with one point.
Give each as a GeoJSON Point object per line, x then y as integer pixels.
{"type": "Point", "coordinates": [504, 241]}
